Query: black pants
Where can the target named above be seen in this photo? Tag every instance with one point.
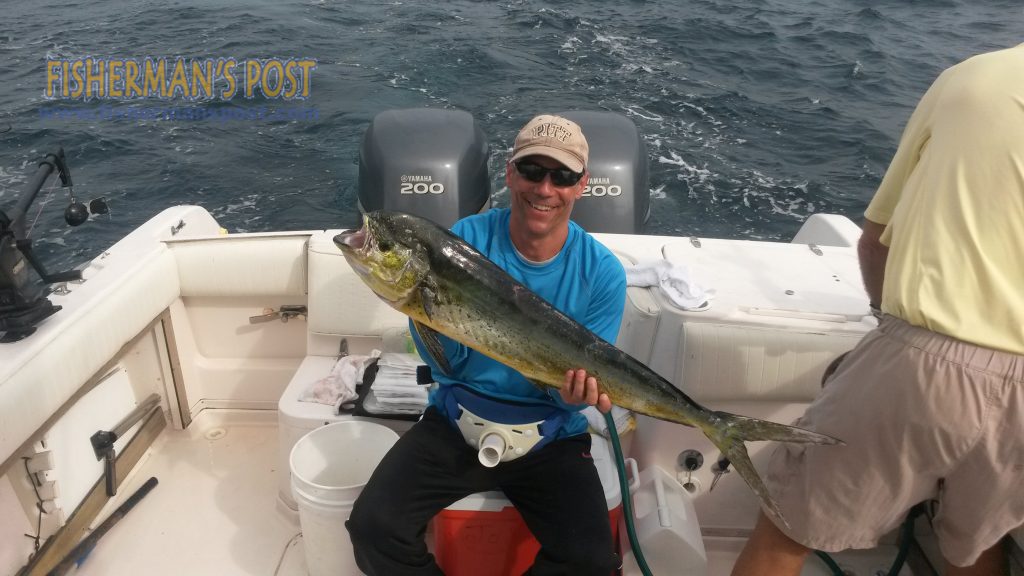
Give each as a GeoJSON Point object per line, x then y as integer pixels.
{"type": "Point", "coordinates": [556, 489]}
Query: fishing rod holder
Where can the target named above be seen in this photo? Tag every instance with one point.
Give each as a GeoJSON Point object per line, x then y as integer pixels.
{"type": "Point", "coordinates": [23, 278]}
{"type": "Point", "coordinates": [103, 440]}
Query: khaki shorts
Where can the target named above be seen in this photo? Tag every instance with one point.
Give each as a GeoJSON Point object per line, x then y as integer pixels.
{"type": "Point", "coordinates": [917, 410]}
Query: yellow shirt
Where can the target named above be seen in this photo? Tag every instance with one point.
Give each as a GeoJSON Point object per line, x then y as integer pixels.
{"type": "Point", "coordinates": [953, 205]}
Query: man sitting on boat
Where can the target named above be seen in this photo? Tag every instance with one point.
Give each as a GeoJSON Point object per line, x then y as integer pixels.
{"type": "Point", "coordinates": [551, 477]}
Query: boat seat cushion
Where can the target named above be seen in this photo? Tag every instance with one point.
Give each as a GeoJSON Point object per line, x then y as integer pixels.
{"type": "Point", "coordinates": [223, 265]}
{"type": "Point", "coordinates": [340, 304]}
{"type": "Point", "coordinates": [720, 362]}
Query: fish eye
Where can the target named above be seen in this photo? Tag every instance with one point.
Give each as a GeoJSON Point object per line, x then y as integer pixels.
{"type": "Point", "coordinates": [384, 246]}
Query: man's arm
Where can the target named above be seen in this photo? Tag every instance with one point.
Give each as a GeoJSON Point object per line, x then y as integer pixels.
{"type": "Point", "coordinates": [872, 255]}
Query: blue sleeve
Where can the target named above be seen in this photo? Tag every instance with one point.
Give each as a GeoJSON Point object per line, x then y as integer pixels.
{"type": "Point", "coordinates": [604, 315]}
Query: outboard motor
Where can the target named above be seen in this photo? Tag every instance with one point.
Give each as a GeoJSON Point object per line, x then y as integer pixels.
{"type": "Point", "coordinates": [427, 162]}
{"type": "Point", "coordinates": [617, 199]}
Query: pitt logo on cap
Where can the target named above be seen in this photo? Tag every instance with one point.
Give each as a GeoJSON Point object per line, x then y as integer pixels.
{"type": "Point", "coordinates": [551, 130]}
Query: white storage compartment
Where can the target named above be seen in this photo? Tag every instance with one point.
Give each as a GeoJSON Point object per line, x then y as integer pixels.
{"type": "Point", "coordinates": [780, 314]}
{"type": "Point", "coordinates": [296, 418]}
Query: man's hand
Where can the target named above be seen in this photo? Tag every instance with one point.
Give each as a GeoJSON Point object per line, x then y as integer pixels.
{"type": "Point", "coordinates": [581, 389]}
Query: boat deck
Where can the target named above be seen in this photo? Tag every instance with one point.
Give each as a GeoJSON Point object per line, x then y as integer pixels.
{"type": "Point", "coordinates": [216, 511]}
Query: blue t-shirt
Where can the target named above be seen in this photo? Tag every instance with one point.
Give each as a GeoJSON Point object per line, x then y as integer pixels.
{"type": "Point", "coordinates": [585, 281]}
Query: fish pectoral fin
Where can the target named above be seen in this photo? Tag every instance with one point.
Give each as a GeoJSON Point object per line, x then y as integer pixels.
{"type": "Point", "coordinates": [432, 342]}
{"type": "Point", "coordinates": [427, 297]}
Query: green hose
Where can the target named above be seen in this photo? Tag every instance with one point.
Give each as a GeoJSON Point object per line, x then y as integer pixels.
{"type": "Point", "coordinates": [627, 501]}
{"type": "Point", "coordinates": [836, 570]}
{"type": "Point", "coordinates": [906, 539]}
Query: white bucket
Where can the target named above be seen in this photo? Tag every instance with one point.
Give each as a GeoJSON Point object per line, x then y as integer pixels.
{"type": "Point", "coordinates": [329, 467]}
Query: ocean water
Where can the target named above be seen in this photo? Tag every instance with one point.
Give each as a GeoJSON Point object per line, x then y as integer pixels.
{"type": "Point", "coordinates": [756, 114]}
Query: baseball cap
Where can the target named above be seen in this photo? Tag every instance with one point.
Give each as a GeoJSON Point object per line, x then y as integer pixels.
{"type": "Point", "coordinates": [555, 137]}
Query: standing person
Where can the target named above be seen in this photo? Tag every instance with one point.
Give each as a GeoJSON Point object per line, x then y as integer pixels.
{"type": "Point", "coordinates": [931, 403]}
{"type": "Point", "coordinates": [554, 484]}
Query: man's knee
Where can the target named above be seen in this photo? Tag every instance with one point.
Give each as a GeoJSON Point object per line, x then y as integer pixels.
{"type": "Point", "coordinates": [365, 524]}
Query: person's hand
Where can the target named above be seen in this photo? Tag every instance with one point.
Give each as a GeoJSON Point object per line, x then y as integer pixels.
{"type": "Point", "coordinates": [581, 389]}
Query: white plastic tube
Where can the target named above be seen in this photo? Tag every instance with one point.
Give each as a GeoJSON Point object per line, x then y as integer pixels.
{"type": "Point", "coordinates": [492, 447]}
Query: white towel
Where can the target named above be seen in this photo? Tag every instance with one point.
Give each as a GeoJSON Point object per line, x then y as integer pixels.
{"type": "Point", "coordinates": [395, 390]}
{"type": "Point", "coordinates": [339, 386]}
{"type": "Point", "coordinates": [375, 405]}
{"type": "Point", "coordinates": [675, 282]}
{"type": "Point", "coordinates": [399, 363]}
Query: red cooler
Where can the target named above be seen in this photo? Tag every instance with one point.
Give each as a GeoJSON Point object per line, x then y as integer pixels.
{"type": "Point", "coordinates": [484, 535]}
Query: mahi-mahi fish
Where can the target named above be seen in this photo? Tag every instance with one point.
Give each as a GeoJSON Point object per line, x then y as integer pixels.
{"type": "Point", "coordinates": [446, 286]}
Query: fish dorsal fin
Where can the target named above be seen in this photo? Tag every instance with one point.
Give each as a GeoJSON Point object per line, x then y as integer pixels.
{"type": "Point", "coordinates": [432, 343]}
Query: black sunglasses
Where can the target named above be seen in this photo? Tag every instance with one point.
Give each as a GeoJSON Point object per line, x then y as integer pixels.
{"type": "Point", "coordinates": [536, 172]}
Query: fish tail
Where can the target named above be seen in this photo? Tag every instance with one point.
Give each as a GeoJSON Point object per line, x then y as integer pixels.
{"type": "Point", "coordinates": [729, 432]}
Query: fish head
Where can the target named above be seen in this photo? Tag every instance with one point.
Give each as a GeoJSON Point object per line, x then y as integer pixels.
{"type": "Point", "coordinates": [388, 257]}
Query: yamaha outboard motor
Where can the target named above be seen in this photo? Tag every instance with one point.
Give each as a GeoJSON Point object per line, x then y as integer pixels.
{"type": "Point", "coordinates": [427, 162]}
{"type": "Point", "coordinates": [616, 200]}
